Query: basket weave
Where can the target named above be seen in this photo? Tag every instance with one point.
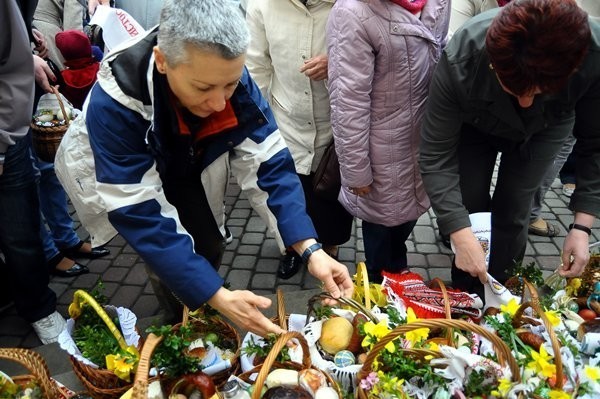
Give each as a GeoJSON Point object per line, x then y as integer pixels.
{"type": "Point", "coordinates": [141, 382]}
{"type": "Point", "coordinates": [46, 140]}
{"type": "Point", "coordinates": [223, 329]}
{"type": "Point", "coordinates": [101, 383]}
{"type": "Point", "coordinates": [270, 363]}
{"type": "Point", "coordinates": [503, 352]}
{"type": "Point", "coordinates": [519, 319]}
{"type": "Point", "coordinates": [35, 364]}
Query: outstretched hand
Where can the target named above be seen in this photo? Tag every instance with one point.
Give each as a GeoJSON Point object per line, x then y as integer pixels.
{"type": "Point", "coordinates": [469, 253]}
{"type": "Point", "coordinates": [575, 255]}
{"type": "Point", "coordinates": [334, 275]}
{"type": "Point", "coordinates": [242, 308]}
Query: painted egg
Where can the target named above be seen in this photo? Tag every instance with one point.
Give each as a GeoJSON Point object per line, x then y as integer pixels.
{"type": "Point", "coordinates": [311, 380]}
{"type": "Point", "coordinates": [344, 358]}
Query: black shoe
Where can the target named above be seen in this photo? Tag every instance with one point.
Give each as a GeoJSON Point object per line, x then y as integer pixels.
{"type": "Point", "coordinates": [75, 270]}
{"type": "Point", "coordinates": [76, 252]}
{"type": "Point", "coordinates": [289, 265]}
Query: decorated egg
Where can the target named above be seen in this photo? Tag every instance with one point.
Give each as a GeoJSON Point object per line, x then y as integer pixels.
{"type": "Point", "coordinates": [326, 393]}
{"type": "Point", "coordinates": [344, 358]}
{"type": "Point", "coordinates": [311, 380]}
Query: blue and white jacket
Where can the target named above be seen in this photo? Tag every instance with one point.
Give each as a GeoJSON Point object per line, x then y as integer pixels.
{"type": "Point", "coordinates": [130, 142]}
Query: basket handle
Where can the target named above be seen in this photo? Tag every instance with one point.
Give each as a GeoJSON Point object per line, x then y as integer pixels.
{"type": "Point", "coordinates": [281, 309]}
{"type": "Point", "coordinates": [346, 301]}
{"type": "Point", "coordinates": [33, 362]}
{"type": "Point", "coordinates": [273, 353]}
{"type": "Point", "coordinates": [140, 383]}
{"type": "Point", "coordinates": [80, 297]}
{"type": "Point", "coordinates": [504, 354]}
{"type": "Point", "coordinates": [447, 310]}
{"type": "Point", "coordinates": [534, 303]}
{"type": "Point", "coordinates": [364, 276]}
{"type": "Point", "coordinates": [61, 105]}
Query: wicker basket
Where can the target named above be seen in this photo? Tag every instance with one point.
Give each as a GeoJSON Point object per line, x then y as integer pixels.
{"type": "Point", "coordinates": [35, 364]}
{"type": "Point", "coordinates": [270, 363]}
{"type": "Point", "coordinates": [519, 318]}
{"type": "Point", "coordinates": [504, 354]}
{"type": "Point", "coordinates": [46, 140]}
{"type": "Point", "coordinates": [222, 329]}
{"type": "Point", "coordinates": [101, 383]}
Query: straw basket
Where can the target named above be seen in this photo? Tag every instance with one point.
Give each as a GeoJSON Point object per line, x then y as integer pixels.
{"type": "Point", "coordinates": [101, 383]}
{"type": "Point", "coordinates": [224, 330]}
{"type": "Point", "coordinates": [36, 365]}
{"type": "Point", "coordinates": [503, 353]}
{"type": "Point", "coordinates": [519, 319]}
{"type": "Point", "coordinates": [46, 139]}
{"type": "Point", "coordinates": [270, 364]}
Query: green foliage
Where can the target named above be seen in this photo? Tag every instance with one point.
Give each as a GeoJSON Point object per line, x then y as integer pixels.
{"type": "Point", "coordinates": [262, 349]}
{"type": "Point", "coordinates": [171, 357]}
{"type": "Point", "coordinates": [394, 317]}
{"type": "Point", "coordinates": [323, 312]}
{"type": "Point", "coordinates": [475, 384]}
{"type": "Point", "coordinates": [531, 272]}
{"type": "Point", "coordinates": [95, 341]}
{"type": "Point", "coordinates": [406, 367]}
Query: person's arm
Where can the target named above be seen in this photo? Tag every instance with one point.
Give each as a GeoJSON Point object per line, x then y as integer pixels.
{"type": "Point", "coordinates": [258, 58]}
{"type": "Point", "coordinates": [351, 68]}
{"type": "Point", "coordinates": [585, 200]}
{"type": "Point", "coordinates": [439, 169]}
{"type": "Point", "coordinates": [264, 169]}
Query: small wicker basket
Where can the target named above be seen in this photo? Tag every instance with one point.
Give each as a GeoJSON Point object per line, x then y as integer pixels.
{"type": "Point", "coordinates": [35, 364]}
{"type": "Point", "coordinates": [270, 364]}
{"type": "Point", "coordinates": [46, 139]}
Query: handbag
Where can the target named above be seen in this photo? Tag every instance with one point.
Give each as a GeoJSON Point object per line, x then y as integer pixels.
{"type": "Point", "coordinates": [327, 181]}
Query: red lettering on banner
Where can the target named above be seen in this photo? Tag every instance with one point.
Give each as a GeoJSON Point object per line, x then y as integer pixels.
{"type": "Point", "coordinates": [127, 24]}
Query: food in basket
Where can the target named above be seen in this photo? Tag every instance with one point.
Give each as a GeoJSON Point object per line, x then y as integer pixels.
{"type": "Point", "coordinates": [12, 390]}
{"type": "Point", "coordinates": [336, 333]}
{"type": "Point", "coordinates": [53, 117]}
{"type": "Point", "coordinates": [292, 384]}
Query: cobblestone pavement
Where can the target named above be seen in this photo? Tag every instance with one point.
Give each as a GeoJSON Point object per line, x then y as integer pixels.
{"type": "Point", "coordinates": [251, 260]}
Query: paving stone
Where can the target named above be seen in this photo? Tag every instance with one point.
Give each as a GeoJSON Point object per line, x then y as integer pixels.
{"type": "Point", "coordinates": [227, 258]}
{"type": "Point", "coordinates": [437, 260]}
{"type": "Point", "coordinates": [443, 273]}
{"type": "Point", "coordinates": [263, 281]}
{"type": "Point", "coordinates": [548, 262]}
{"type": "Point", "coordinates": [546, 248]}
{"type": "Point", "coordinates": [148, 288]}
{"type": "Point", "coordinates": [240, 213]}
{"type": "Point", "coordinates": [267, 265]}
{"type": "Point", "coordinates": [236, 222]}
{"type": "Point", "coordinates": [125, 260]}
{"type": "Point", "coordinates": [253, 238]}
{"type": "Point", "coordinates": [239, 279]}
{"type": "Point", "coordinates": [86, 281]}
{"type": "Point", "coordinates": [421, 272]}
{"type": "Point", "coordinates": [223, 270]}
{"type": "Point", "coordinates": [416, 260]}
{"type": "Point", "coordinates": [427, 248]}
{"type": "Point", "coordinates": [116, 274]}
{"type": "Point", "coordinates": [244, 262]}
{"type": "Point", "coordinates": [126, 296]}
{"type": "Point", "coordinates": [424, 234]}
{"type": "Point", "coordinates": [270, 249]}
{"type": "Point", "coordinates": [346, 255]}
{"type": "Point", "coordinates": [145, 306]}
{"type": "Point", "coordinates": [99, 265]}
{"type": "Point", "coordinates": [256, 224]}
{"type": "Point", "coordinates": [248, 249]}
{"type": "Point", "coordinates": [137, 275]}
{"type": "Point", "coordinates": [58, 287]}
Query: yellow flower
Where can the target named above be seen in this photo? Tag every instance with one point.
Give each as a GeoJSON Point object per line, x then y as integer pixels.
{"type": "Point", "coordinates": [540, 363]}
{"type": "Point", "coordinates": [504, 386]}
{"type": "Point", "coordinates": [123, 364]}
{"type": "Point", "coordinates": [554, 394]}
{"type": "Point", "coordinates": [592, 372]}
{"type": "Point", "coordinates": [511, 307]}
{"type": "Point", "coordinates": [553, 317]}
{"type": "Point", "coordinates": [374, 332]}
{"type": "Point", "coordinates": [417, 335]}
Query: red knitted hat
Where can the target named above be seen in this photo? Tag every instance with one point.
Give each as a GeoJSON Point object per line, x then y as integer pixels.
{"type": "Point", "coordinates": [73, 44]}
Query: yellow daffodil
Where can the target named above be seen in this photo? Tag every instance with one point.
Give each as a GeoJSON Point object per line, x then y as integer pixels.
{"type": "Point", "coordinates": [592, 372]}
{"type": "Point", "coordinates": [540, 363]}
{"type": "Point", "coordinates": [504, 386]}
{"type": "Point", "coordinates": [511, 307]}
{"type": "Point", "coordinates": [374, 332]}
{"type": "Point", "coordinates": [417, 335]}
{"type": "Point", "coordinates": [553, 317]}
{"type": "Point", "coordinates": [554, 394]}
{"type": "Point", "coordinates": [123, 364]}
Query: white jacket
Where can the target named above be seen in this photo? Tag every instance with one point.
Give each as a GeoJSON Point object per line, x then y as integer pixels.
{"type": "Point", "coordinates": [284, 34]}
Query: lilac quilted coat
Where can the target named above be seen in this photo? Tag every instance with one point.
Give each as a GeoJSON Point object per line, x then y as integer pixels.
{"type": "Point", "coordinates": [381, 58]}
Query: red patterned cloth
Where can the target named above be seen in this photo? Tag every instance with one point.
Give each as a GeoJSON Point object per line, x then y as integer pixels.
{"type": "Point", "coordinates": [413, 6]}
{"type": "Point", "coordinates": [428, 303]}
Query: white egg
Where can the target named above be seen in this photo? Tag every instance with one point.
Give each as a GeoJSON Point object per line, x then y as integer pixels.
{"type": "Point", "coordinates": [45, 117]}
{"type": "Point", "coordinates": [282, 377]}
{"type": "Point", "coordinates": [61, 117]}
{"type": "Point", "coordinates": [326, 393]}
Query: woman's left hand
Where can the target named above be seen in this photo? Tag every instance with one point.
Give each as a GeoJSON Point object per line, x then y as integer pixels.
{"type": "Point", "coordinates": [360, 191]}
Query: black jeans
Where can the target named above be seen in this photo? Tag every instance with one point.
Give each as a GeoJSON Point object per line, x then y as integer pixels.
{"type": "Point", "coordinates": [24, 268]}
{"type": "Point", "coordinates": [521, 170]}
{"type": "Point", "coordinates": [385, 248]}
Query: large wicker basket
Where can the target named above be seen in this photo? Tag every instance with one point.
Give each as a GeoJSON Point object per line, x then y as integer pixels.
{"type": "Point", "coordinates": [36, 365]}
{"type": "Point", "coordinates": [504, 354]}
{"type": "Point", "coordinates": [46, 140]}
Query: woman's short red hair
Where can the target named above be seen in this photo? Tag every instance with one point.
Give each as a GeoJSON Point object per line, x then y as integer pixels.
{"type": "Point", "coordinates": [538, 44]}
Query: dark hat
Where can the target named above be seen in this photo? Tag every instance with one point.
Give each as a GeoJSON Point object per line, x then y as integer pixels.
{"type": "Point", "coordinates": [73, 44]}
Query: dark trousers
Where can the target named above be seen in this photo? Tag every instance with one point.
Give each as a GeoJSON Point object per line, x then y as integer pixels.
{"type": "Point", "coordinates": [24, 266]}
{"type": "Point", "coordinates": [385, 248]}
{"type": "Point", "coordinates": [520, 172]}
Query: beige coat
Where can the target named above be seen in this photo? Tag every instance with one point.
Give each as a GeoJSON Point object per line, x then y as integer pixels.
{"type": "Point", "coordinates": [284, 34]}
{"type": "Point", "coordinates": [462, 10]}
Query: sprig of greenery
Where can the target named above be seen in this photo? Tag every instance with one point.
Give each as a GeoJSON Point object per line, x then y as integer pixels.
{"type": "Point", "coordinates": [323, 312]}
{"type": "Point", "coordinates": [170, 356]}
{"type": "Point", "coordinates": [394, 317]}
{"type": "Point", "coordinates": [531, 272]}
{"type": "Point", "coordinates": [95, 342]}
{"type": "Point", "coordinates": [475, 384]}
{"type": "Point", "coordinates": [406, 367]}
{"type": "Point", "coordinates": [262, 349]}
